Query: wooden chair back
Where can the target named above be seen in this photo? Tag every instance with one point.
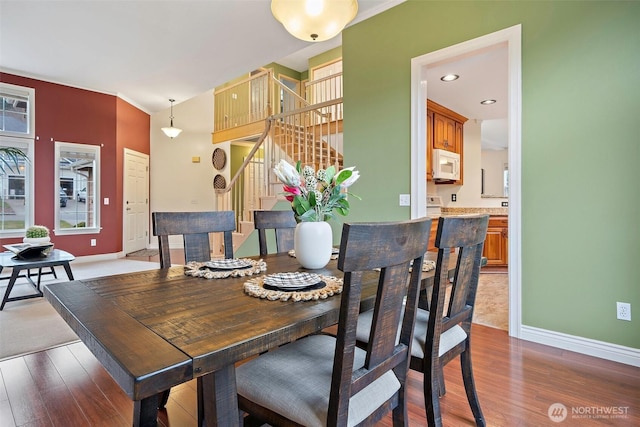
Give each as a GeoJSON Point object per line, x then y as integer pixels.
{"type": "Point", "coordinates": [282, 222]}
{"type": "Point", "coordinates": [466, 235]}
{"type": "Point", "coordinates": [391, 248]}
{"type": "Point", "coordinates": [195, 228]}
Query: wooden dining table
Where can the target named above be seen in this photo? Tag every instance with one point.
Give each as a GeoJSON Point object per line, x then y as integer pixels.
{"type": "Point", "coordinates": [153, 330]}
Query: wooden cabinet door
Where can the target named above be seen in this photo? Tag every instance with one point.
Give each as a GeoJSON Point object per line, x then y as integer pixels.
{"type": "Point", "coordinates": [458, 138]}
{"type": "Point", "coordinates": [444, 130]}
{"type": "Point", "coordinates": [493, 247]}
{"type": "Point", "coordinates": [496, 245]}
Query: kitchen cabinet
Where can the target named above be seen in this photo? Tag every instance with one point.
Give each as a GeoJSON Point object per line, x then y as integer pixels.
{"type": "Point", "coordinates": [432, 236]}
{"type": "Point", "coordinates": [496, 245]}
{"type": "Point", "coordinates": [445, 132]}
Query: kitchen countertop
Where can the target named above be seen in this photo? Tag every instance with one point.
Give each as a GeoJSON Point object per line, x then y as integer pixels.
{"type": "Point", "coordinates": [459, 211]}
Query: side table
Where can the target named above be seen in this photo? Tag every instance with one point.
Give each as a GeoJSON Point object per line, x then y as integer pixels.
{"type": "Point", "coordinates": [55, 258]}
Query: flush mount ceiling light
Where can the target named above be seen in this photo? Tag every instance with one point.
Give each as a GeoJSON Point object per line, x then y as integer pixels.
{"type": "Point", "coordinates": [314, 20]}
{"type": "Point", "coordinates": [488, 102]}
{"type": "Point", "coordinates": [449, 77]}
{"type": "Point", "coordinates": [171, 131]}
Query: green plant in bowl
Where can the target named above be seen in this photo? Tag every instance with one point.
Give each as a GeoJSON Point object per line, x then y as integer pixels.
{"type": "Point", "coordinates": [37, 231]}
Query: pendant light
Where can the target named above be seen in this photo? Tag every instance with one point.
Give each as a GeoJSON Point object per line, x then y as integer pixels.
{"type": "Point", "coordinates": [171, 131]}
{"type": "Point", "coordinates": [314, 20]}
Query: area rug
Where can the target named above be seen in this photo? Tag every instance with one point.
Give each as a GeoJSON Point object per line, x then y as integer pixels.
{"type": "Point", "coordinates": [33, 325]}
{"type": "Point", "coordinates": [144, 252]}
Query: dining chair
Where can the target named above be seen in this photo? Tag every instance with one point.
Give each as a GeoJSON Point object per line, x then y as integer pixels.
{"type": "Point", "coordinates": [325, 380]}
{"type": "Point", "coordinates": [195, 228]}
{"type": "Point", "coordinates": [443, 333]}
{"type": "Point", "coordinates": [282, 222]}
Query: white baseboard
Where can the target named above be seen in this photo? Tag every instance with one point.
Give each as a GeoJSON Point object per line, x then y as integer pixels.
{"type": "Point", "coordinates": [601, 349]}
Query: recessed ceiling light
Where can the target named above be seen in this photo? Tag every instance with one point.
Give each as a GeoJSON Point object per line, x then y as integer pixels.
{"type": "Point", "coordinates": [488, 102]}
{"type": "Point", "coordinates": [449, 77]}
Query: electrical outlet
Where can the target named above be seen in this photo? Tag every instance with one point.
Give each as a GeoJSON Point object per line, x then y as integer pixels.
{"type": "Point", "coordinates": [623, 310]}
{"type": "Point", "coordinates": [405, 200]}
{"type": "Point", "coordinates": [454, 197]}
{"type": "Point", "coordinates": [93, 242]}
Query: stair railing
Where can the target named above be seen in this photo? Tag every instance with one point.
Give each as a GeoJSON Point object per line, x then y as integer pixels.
{"type": "Point", "coordinates": [311, 134]}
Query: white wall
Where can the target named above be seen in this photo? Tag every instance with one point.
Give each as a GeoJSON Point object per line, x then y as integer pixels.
{"type": "Point", "coordinates": [177, 184]}
{"type": "Point", "coordinates": [493, 162]}
{"type": "Point", "coordinates": [468, 194]}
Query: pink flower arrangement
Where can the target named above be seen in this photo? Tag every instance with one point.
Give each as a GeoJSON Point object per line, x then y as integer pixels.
{"type": "Point", "coordinates": [314, 196]}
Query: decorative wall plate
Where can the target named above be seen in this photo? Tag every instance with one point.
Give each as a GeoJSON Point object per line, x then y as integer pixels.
{"type": "Point", "coordinates": [219, 159]}
{"type": "Point", "coordinates": [219, 182]}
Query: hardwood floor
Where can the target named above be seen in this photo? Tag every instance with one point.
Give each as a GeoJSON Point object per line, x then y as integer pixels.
{"type": "Point", "coordinates": [517, 381]}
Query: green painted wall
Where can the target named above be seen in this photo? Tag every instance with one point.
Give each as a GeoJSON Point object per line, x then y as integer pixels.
{"type": "Point", "coordinates": [281, 70]}
{"type": "Point", "coordinates": [580, 232]}
{"type": "Point", "coordinates": [325, 57]}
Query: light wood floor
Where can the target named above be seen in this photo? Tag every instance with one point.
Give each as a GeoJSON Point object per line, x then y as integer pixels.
{"type": "Point", "coordinates": [517, 382]}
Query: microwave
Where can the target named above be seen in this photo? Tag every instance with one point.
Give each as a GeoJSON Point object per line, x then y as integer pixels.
{"type": "Point", "coordinates": [446, 165]}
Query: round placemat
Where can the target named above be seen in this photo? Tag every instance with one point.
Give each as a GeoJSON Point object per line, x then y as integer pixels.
{"type": "Point", "coordinates": [255, 288]}
{"type": "Point", "coordinates": [200, 269]}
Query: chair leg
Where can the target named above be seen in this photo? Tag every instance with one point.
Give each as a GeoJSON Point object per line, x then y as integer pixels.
{"type": "Point", "coordinates": [431, 385]}
{"type": "Point", "coordinates": [400, 414]}
{"type": "Point", "coordinates": [470, 387]}
{"type": "Point", "coordinates": [442, 389]}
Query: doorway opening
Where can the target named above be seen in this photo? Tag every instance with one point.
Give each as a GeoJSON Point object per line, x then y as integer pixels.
{"type": "Point", "coordinates": [419, 94]}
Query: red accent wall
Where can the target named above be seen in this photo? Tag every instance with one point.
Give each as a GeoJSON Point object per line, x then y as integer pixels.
{"type": "Point", "coordinates": [68, 114]}
{"type": "Point", "coordinates": [133, 132]}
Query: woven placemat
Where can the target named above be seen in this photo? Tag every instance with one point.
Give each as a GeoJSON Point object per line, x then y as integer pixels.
{"type": "Point", "coordinates": [255, 288]}
{"type": "Point", "coordinates": [200, 269]}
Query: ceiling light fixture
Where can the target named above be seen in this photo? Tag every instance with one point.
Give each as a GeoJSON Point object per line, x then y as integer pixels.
{"type": "Point", "coordinates": [488, 102]}
{"type": "Point", "coordinates": [171, 131]}
{"type": "Point", "coordinates": [449, 77]}
{"type": "Point", "coordinates": [314, 20]}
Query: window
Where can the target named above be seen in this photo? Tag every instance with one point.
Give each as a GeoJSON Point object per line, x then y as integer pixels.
{"type": "Point", "coordinates": [16, 188]}
{"type": "Point", "coordinates": [17, 124]}
{"type": "Point", "coordinates": [17, 116]}
{"type": "Point", "coordinates": [76, 184]}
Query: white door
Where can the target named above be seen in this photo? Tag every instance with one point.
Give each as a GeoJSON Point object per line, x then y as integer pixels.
{"type": "Point", "coordinates": [136, 201]}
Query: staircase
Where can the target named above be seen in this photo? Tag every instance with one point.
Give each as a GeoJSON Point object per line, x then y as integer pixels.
{"type": "Point", "coordinates": [310, 133]}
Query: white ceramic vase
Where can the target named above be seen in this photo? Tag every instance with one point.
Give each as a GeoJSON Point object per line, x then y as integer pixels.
{"type": "Point", "coordinates": [313, 242]}
{"type": "Point", "coordinates": [36, 240]}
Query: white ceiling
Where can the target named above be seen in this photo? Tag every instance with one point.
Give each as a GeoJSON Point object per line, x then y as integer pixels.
{"type": "Point", "coordinates": [148, 51]}
{"type": "Point", "coordinates": [483, 75]}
